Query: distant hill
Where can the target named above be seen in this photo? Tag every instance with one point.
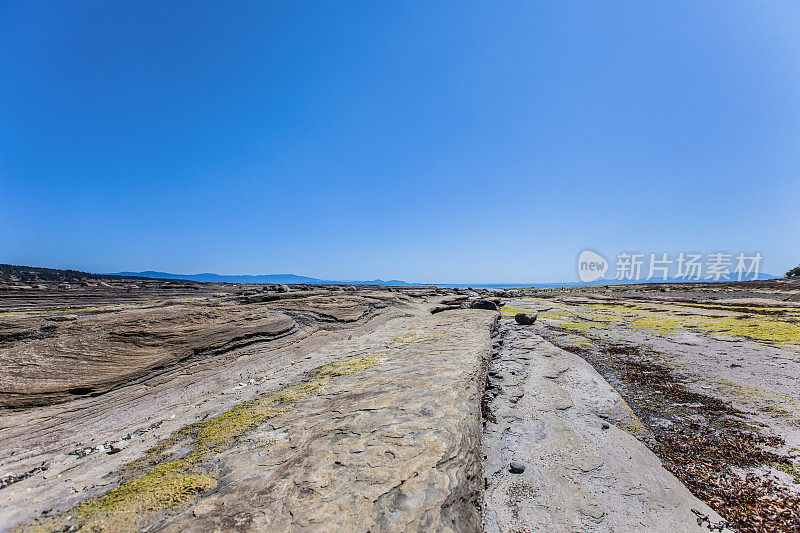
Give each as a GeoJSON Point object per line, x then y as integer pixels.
{"type": "Point", "coordinates": [32, 274]}
{"type": "Point", "coordinates": [287, 279]}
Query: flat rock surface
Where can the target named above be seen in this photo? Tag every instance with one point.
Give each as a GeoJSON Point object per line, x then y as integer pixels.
{"type": "Point", "coordinates": [711, 373]}
{"type": "Point", "coordinates": [580, 472]}
{"type": "Point", "coordinates": [353, 413]}
{"type": "Point", "coordinates": [392, 447]}
{"type": "Point", "coordinates": [130, 405]}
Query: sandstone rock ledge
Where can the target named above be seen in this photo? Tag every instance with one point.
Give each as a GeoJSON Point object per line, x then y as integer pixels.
{"type": "Point", "coordinates": [392, 447]}
{"type": "Point", "coordinates": [384, 438]}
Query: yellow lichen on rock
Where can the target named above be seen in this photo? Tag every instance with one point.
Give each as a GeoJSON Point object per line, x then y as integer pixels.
{"type": "Point", "coordinates": [769, 402]}
{"type": "Point", "coordinates": [661, 325]}
{"type": "Point", "coordinates": [167, 487]}
{"type": "Point", "coordinates": [577, 327]}
{"type": "Point", "coordinates": [162, 485]}
{"type": "Point", "coordinates": [509, 312]}
{"type": "Point", "coordinates": [665, 321]}
{"type": "Point", "coordinates": [767, 330]}
{"type": "Point", "coordinates": [350, 366]}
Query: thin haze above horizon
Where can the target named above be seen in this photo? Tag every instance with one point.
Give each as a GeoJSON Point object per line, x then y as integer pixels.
{"type": "Point", "coordinates": [428, 142]}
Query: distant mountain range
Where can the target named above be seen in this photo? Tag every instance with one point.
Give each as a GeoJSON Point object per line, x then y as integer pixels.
{"type": "Point", "coordinates": [290, 279]}
{"type": "Point", "coordinates": [33, 274]}
{"type": "Point", "coordinates": [279, 279]}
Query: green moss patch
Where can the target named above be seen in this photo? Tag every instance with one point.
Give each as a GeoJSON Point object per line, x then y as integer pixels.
{"type": "Point", "coordinates": [509, 312]}
{"type": "Point", "coordinates": [157, 483]}
{"type": "Point", "coordinates": [766, 329]}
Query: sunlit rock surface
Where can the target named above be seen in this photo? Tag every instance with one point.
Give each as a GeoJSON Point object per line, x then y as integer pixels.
{"type": "Point", "coordinates": [132, 405]}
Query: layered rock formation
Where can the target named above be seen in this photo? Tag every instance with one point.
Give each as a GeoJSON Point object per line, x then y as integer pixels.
{"type": "Point", "coordinates": [300, 410]}
{"type": "Point", "coordinates": [142, 405]}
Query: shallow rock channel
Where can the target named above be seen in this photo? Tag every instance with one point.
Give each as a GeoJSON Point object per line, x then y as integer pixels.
{"type": "Point", "coordinates": [557, 456]}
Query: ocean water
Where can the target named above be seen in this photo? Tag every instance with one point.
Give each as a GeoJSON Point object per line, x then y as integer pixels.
{"type": "Point", "coordinates": [499, 286]}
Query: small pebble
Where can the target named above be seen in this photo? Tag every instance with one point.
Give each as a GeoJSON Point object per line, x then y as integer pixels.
{"type": "Point", "coordinates": [606, 425]}
{"type": "Point", "coordinates": [516, 468]}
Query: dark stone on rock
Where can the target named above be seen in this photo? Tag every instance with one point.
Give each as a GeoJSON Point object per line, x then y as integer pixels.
{"type": "Point", "coordinates": [525, 319]}
{"type": "Point", "coordinates": [606, 425]}
{"type": "Point", "coordinates": [484, 304]}
{"type": "Point", "coordinates": [516, 468]}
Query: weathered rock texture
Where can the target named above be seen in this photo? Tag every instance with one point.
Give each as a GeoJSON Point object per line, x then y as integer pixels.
{"type": "Point", "coordinates": [306, 410]}
{"type": "Point", "coordinates": [89, 354]}
{"type": "Point", "coordinates": [148, 405]}
{"type": "Point", "coordinates": [712, 374]}
{"type": "Point", "coordinates": [395, 446]}
{"type": "Point", "coordinates": [548, 410]}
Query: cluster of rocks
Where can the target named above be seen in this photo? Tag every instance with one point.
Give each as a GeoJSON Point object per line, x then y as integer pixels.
{"type": "Point", "coordinates": [463, 301]}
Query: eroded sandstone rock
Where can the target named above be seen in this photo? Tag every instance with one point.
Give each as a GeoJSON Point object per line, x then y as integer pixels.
{"type": "Point", "coordinates": [90, 354]}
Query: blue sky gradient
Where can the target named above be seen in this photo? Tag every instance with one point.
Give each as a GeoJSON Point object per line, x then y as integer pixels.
{"type": "Point", "coordinates": [429, 141]}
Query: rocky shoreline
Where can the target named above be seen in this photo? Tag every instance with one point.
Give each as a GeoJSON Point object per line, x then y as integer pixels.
{"type": "Point", "coordinates": [142, 404]}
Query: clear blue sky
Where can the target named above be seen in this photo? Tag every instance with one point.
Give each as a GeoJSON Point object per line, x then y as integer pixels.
{"type": "Point", "coordinates": [430, 141]}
